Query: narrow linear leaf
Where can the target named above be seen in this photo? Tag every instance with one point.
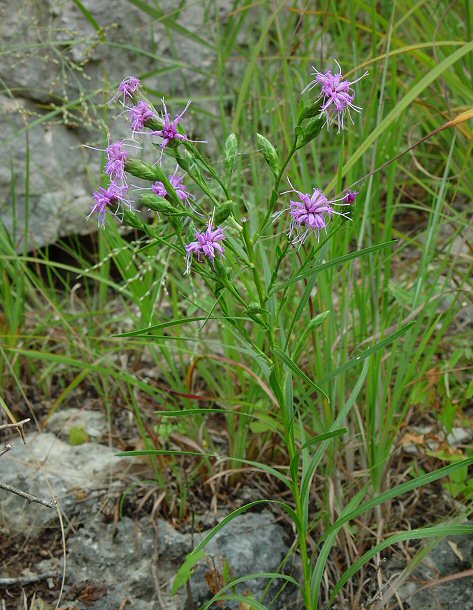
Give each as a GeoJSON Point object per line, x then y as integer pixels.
{"type": "Point", "coordinates": [417, 534]}
{"type": "Point", "coordinates": [368, 352]}
{"type": "Point", "coordinates": [237, 581]}
{"type": "Point", "coordinates": [295, 369]}
{"type": "Point", "coordinates": [324, 437]}
{"type": "Point", "coordinates": [336, 261]}
{"type": "Point", "coordinates": [160, 15]}
{"type": "Point", "coordinates": [331, 533]}
{"type": "Point", "coordinates": [179, 322]}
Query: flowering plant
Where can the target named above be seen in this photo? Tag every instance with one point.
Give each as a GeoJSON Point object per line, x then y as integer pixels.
{"type": "Point", "coordinates": [248, 262]}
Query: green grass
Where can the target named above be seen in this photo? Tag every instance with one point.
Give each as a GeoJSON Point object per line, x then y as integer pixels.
{"type": "Point", "coordinates": [414, 188]}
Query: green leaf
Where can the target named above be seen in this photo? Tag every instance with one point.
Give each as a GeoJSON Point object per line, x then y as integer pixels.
{"type": "Point", "coordinates": [237, 581]}
{"type": "Point", "coordinates": [324, 437]}
{"type": "Point", "coordinates": [417, 534]}
{"type": "Point", "coordinates": [91, 19]}
{"type": "Point", "coordinates": [78, 435]}
{"type": "Point", "coordinates": [336, 261]}
{"type": "Point", "coordinates": [264, 467]}
{"type": "Point", "coordinates": [185, 571]}
{"type": "Point", "coordinates": [179, 322]}
{"type": "Point", "coordinates": [395, 492]}
{"type": "Point", "coordinates": [199, 549]}
{"type": "Point", "coordinates": [293, 366]}
{"type": "Point", "coordinates": [157, 13]}
{"type": "Point", "coordinates": [371, 350]}
{"type": "Point", "coordinates": [223, 211]}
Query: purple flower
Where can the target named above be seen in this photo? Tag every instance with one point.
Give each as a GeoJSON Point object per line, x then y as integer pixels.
{"type": "Point", "coordinates": [350, 197]}
{"type": "Point", "coordinates": [207, 243]}
{"type": "Point", "coordinates": [310, 214]}
{"type": "Point", "coordinates": [139, 114]}
{"type": "Point", "coordinates": [337, 95]}
{"type": "Point", "coordinates": [105, 198]}
{"type": "Point", "coordinates": [169, 132]}
{"type": "Point", "coordinates": [127, 88]}
{"type": "Point", "coordinates": [176, 181]}
{"type": "Point", "coordinates": [116, 158]}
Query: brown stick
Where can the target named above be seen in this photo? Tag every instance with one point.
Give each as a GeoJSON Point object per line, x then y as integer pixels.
{"type": "Point", "coordinates": [29, 497]}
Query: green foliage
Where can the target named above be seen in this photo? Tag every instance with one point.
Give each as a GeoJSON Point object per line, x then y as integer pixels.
{"type": "Point", "coordinates": [330, 348]}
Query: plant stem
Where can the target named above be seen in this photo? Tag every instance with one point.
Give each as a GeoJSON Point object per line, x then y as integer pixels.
{"type": "Point", "coordinates": [275, 194]}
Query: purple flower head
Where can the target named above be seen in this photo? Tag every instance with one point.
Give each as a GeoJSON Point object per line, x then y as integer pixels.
{"type": "Point", "coordinates": [207, 243]}
{"type": "Point", "coordinates": [176, 181]}
{"type": "Point", "coordinates": [309, 214]}
{"type": "Point", "coordinates": [337, 95]}
{"type": "Point", "coordinates": [116, 158]}
{"type": "Point", "coordinates": [139, 114]}
{"type": "Point", "coordinates": [105, 198]}
{"type": "Point", "coordinates": [169, 132]}
{"type": "Point", "coordinates": [350, 197]}
{"type": "Point", "coordinates": [127, 88]}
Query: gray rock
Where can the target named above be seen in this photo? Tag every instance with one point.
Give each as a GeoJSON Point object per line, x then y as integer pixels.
{"type": "Point", "coordinates": [49, 467]}
{"type": "Point", "coordinates": [52, 55]}
{"type": "Point", "coordinates": [93, 422]}
{"type": "Point", "coordinates": [59, 193]}
{"type": "Point", "coordinates": [249, 544]}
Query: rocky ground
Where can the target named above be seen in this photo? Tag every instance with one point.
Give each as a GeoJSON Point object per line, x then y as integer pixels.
{"type": "Point", "coordinates": [129, 561]}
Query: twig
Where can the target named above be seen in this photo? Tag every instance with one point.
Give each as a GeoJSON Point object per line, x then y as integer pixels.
{"type": "Point", "coordinates": [22, 581]}
{"type": "Point", "coordinates": [5, 448]}
{"type": "Point", "coordinates": [29, 497]}
{"type": "Point", "coordinates": [19, 427]}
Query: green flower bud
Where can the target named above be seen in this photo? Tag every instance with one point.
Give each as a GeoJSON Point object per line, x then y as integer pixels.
{"type": "Point", "coordinates": [223, 212]}
{"type": "Point", "coordinates": [158, 204]}
{"type": "Point", "coordinates": [307, 112]}
{"type": "Point", "coordinates": [311, 130]}
{"type": "Point", "coordinates": [132, 219]}
{"type": "Point", "coordinates": [231, 151]}
{"type": "Point", "coordinates": [140, 169]}
{"type": "Point", "coordinates": [254, 308]}
{"type": "Point", "coordinates": [269, 153]}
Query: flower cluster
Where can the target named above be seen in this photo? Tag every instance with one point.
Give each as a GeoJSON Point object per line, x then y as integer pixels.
{"type": "Point", "coordinates": [169, 132]}
{"type": "Point", "coordinates": [106, 198]}
{"type": "Point", "coordinates": [337, 95]}
{"type": "Point", "coordinates": [310, 213]}
{"type": "Point", "coordinates": [140, 113]}
{"type": "Point", "coordinates": [177, 182]}
{"type": "Point", "coordinates": [207, 243]}
{"type": "Point", "coordinates": [127, 88]}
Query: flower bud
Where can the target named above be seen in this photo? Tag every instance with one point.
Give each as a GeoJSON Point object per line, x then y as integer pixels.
{"type": "Point", "coordinates": [309, 111]}
{"type": "Point", "coordinates": [132, 219]}
{"type": "Point", "coordinates": [269, 153]}
{"type": "Point", "coordinates": [223, 212]}
{"type": "Point", "coordinates": [231, 151]}
{"type": "Point", "coordinates": [140, 169]}
{"type": "Point", "coordinates": [158, 204]}
{"type": "Point", "coordinates": [311, 130]}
